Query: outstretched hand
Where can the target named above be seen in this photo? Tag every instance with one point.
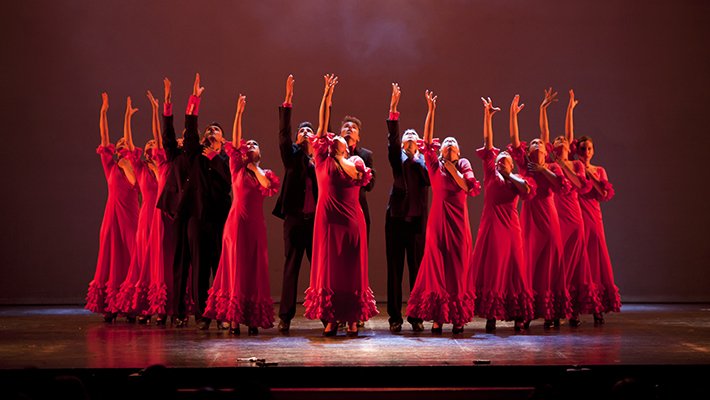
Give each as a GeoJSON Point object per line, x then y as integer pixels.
{"type": "Point", "coordinates": [196, 88]}
{"type": "Point", "coordinates": [104, 102]}
{"type": "Point", "coordinates": [241, 103]}
{"type": "Point", "coordinates": [515, 107]}
{"type": "Point", "coordinates": [152, 99]}
{"type": "Point", "coordinates": [289, 89]}
{"type": "Point", "coordinates": [129, 107]}
{"type": "Point", "coordinates": [430, 99]}
{"type": "Point", "coordinates": [394, 100]}
{"type": "Point", "coordinates": [488, 106]}
{"type": "Point", "coordinates": [168, 92]}
{"type": "Point", "coordinates": [572, 101]}
{"type": "Point", "coordinates": [550, 97]}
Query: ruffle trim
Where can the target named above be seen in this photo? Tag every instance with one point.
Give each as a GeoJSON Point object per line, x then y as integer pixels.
{"type": "Point", "coordinates": [610, 299]}
{"type": "Point", "coordinates": [255, 312]}
{"type": "Point", "coordinates": [366, 173]}
{"type": "Point", "coordinates": [441, 307]}
{"type": "Point", "coordinates": [553, 305]}
{"type": "Point", "coordinates": [474, 186]}
{"type": "Point", "coordinates": [158, 299]}
{"type": "Point", "coordinates": [131, 299]}
{"type": "Point", "coordinates": [217, 304]}
{"type": "Point", "coordinates": [273, 180]}
{"type": "Point", "coordinates": [487, 154]}
{"type": "Point", "coordinates": [321, 144]}
{"type": "Point", "coordinates": [96, 298]}
{"type": "Point", "coordinates": [233, 151]}
{"type": "Point", "coordinates": [319, 304]}
{"type": "Point", "coordinates": [505, 307]}
{"type": "Point", "coordinates": [108, 150]}
{"type": "Point", "coordinates": [432, 147]}
{"type": "Point", "coordinates": [585, 299]}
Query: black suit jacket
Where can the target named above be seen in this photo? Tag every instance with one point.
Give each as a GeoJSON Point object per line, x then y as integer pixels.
{"type": "Point", "coordinates": [196, 185]}
{"type": "Point", "coordinates": [366, 156]}
{"type": "Point", "coordinates": [409, 196]}
{"type": "Point", "coordinates": [297, 165]}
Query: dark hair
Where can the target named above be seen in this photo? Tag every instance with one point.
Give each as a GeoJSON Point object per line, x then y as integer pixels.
{"type": "Point", "coordinates": [215, 124]}
{"type": "Point", "coordinates": [350, 118]}
{"type": "Point", "coordinates": [305, 124]}
{"type": "Point", "coordinates": [584, 139]}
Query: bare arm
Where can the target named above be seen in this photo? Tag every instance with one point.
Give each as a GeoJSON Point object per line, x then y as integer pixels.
{"type": "Point", "coordinates": [570, 174]}
{"type": "Point", "coordinates": [127, 134]}
{"type": "Point", "coordinates": [546, 172]}
{"type": "Point", "coordinates": [520, 184]}
{"type": "Point", "coordinates": [103, 120]}
{"type": "Point", "coordinates": [544, 125]}
{"type": "Point", "coordinates": [237, 126]}
{"type": "Point", "coordinates": [456, 174]}
{"type": "Point", "coordinates": [260, 175]}
{"type": "Point", "coordinates": [429, 121]}
{"type": "Point", "coordinates": [488, 111]}
{"type": "Point", "coordinates": [155, 121]}
{"type": "Point", "coordinates": [348, 167]}
{"type": "Point", "coordinates": [324, 111]}
{"type": "Point", "coordinates": [514, 110]}
{"type": "Point", "coordinates": [569, 118]}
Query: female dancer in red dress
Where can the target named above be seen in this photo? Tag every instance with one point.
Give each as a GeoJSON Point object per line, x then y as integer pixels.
{"type": "Point", "coordinates": [339, 289]}
{"type": "Point", "coordinates": [498, 271]}
{"type": "Point", "coordinates": [240, 292]}
{"type": "Point", "coordinates": [117, 237]}
{"type": "Point", "coordinates": [575, 262]}
{"type": "Point", "coordinates": [539, 220]}
{"type": "Point", "coordinates": [440, 292]}
{"type": "Point", "coordinates": [132, 299]}
{"type": "Point", "coordinates": [597, 251]}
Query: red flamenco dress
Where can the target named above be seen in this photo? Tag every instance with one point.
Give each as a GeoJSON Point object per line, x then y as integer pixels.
{"type": "Point", "coordinates": [440, 292]}
{"type": "Point", "coordinates": [132, 298]}
{"type": "Point", "coordinates": [543, 240]}
{"type": "Point", "coordinates": [240, 291]}
{"type": "Point", "coordinates": [339, 289]}
{"type": "Point", "coordinates": [499, 275]}
{"type": "Point", "coordinates": [117, 237]}
{"type": "Point", "coordinates": [597, 251]}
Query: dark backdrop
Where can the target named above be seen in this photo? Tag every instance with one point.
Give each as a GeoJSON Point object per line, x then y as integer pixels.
{"type": "Point", "coordinates": [640, 71]}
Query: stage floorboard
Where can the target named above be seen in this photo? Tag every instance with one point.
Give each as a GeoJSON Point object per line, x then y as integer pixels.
{"type": "Point", "coordinates": [69, 337]}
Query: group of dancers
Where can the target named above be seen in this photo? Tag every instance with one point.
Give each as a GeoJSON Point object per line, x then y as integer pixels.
{"type": "Point", "coordinates": [186, 211]}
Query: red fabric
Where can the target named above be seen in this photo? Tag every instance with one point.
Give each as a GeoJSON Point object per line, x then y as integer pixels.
{"type": "Point", "coordinates": [583, 294]}
{"type": "Point", "coordinates": [286, 105]}
{"type": "Point", "coordinates": [167, 109]}
{"type": "Point", "coordinates": [117, 236]}
{"type": "Point", "coordinates": [133, 298]}
{"type": "Point", "coordinates": [240, 291]}
{"type": "Point", "coordinates": [543, 241]}
{"type": "Point", "coordinates": [339, 289]}
{"type": "Point", "coordinates": [597, 251]}
{"type": "Point", "coordinates": [193, 105]}
{"type": "Point", "coordinates": [441, 293]}
{"type": "Point", "coordinates": [498, 271]}
{"type": "Point", "coordinates": [394, 116]}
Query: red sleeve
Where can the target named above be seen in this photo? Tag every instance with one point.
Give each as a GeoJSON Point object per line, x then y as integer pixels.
{"type": "Point", "coordinates": [394, 116]}
{"type": "Point", "coordinates": [193, 105]}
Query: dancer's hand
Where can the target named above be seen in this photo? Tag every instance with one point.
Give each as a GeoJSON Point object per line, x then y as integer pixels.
{"type": "Point", "coordinates": [196, 88]}
{"type": "Point", "coordinates": [241, 104]}
{"type": "Point", "coordinates": [289, 89]}
{"type": "Point", "coordinates": [153, 101]}
{"type": "Point", "coordinates": [129, 107]}
{"type": "Point", "coordinates": [514, 107]}
{"type": "Point", "coordinates": [430, 99]}
{"type": "Point", "coordinates": [488, 106]}
{"type": "Point", "coordinates": [572, 101]}
{"type": "Point", "coordinates": [550, 97]}
{"type": "Point", "coordinates": [168, 91]}
{"type": "Point", "coordinates": [394, 100]}
{"type": "Point", "coordinates": [104, 102]}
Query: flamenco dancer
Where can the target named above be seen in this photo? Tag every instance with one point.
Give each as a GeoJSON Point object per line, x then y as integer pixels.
{"type": "Point", "coordinates": [575, 262]}
{"type": "Point", "coordinates": [440, 293]}
{"type": "Point", "coordinates": [240, 293]}
{"type": "Point", "coordinates": [539, 219]}
{"type": "Point", "coordinates": [498, 271]}
{"type": "Point", "coordinates": [132, 299]}
{"type": "Point", "coordinates": [117, 237]}
{"type": "Point", "coordinates": [597, 251]}
{"type": "Point", "coordinates": [339, 289]}
{"type": "Point", "coordinates": [406, 217]}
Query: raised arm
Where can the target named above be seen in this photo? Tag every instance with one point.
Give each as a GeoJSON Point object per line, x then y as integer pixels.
{"type": "Point", "coordinates": [488, 111]}
{"type": "Point", "coordinates": [324, 111]}
{"type": "Point", "coordinates": [394, 141]}
{"type": "Point", "coordinates": [103, 120]}
{"type": "Point", "coordinates": [569, 118]}
{"type": "Point", "coordinates": [429, 121]}
{"type": "Point", "coordinates": [544, 125]}
{"type": "Point", "coordinates": [191, 138]}
{"type": "Point", "coordinates": [155, 121]}
{"type": "Point", "coordinates": [127, 133]}
{"type": "Point", "coordinates": [515, 108]}
{"type": "Point", "coordinates": [237, 127]}
{"type": "Point", "coordinates": [169, 140]}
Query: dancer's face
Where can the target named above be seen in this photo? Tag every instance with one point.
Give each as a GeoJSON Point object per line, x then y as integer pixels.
{"type": "Point", "coordinates": [350, 131]}
{"type": "Point", "coordinates": [253, 150]}
{"type": "Point", "coordinates": [561, 146]}
{"type": "Point", "coordinates": [450, 149]}
{"type": "Point", "coordinates": [504, 164]}
{"type": "Point", "coordinates": [585, 151]}
{"type": "Point", "coordinates": [150, 147]}
{"type": "Point", "coordinates": [304, 134]}
{"type": "Point", "coordinates": [213, 135]}
{"type": "Point", "coordinates": [409, 141]}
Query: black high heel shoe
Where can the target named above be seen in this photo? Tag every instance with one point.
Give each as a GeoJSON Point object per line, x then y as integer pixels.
{"type": "Point", "coordinates": [110, 318]}
{"type": "Point", "coordinates": [437, 330]}
{"type": "Point", "coordinates": [490, 325]}
{"type": "Point", "coordinates": [333, 329]}
{"type": "Point", "coordinates": [180, 322]}
{"type": "Point", "coordinates": [143, 319]}
{"type": "Point", "coordinates": [520, 326]}
{"type": "Point", "coordinates": [598, 319]}
{"type": "Point", "coordinates": [131, 319]}
{"type": "Point", "coordinates": [234, 330]}
{"type": "Point", "coordinates": [457, 330]}
{"type": "Point", "coordinates": [161, 320]}
{"type": "Point", "coordinates": [548, 324]}
{"type": "Point", "coordinates": [575, 322]}
{"type": "Point", "coordinates": [352, 333]}
{"type": "Point", "coordinates": [253, 331]}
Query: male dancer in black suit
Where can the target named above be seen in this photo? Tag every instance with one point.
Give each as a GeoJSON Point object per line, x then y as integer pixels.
{"type": "Point", "coordinates": [197, 196]}
{"type": "Point", "coordinates": [350, 131]}
{"type": "Point", "coordinates": [406, 218]}
{"type": "Point", "coordinates": [296, 204]}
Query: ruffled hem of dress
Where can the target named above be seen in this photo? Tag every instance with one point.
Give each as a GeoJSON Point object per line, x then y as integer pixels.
{"type": "Point", "coordinates": [441, 307]}
{"type": "Point", "coordinates": [217, 304]}
{"type": "Point", "coordinates": [96, 298]}
{"type": "Point", "coordinates": [610, 299]}
{"type": "Point", "coordinates": [158, 299]}
{"type": "Point", "coordinates": [505, 307]}
{"type": "Point", "coordinates": [257, 312]}
{"type": "Point", "coordinates": [319, 305]}
{"type": "Point", "coordinates": [553, 305]}
{"type": "Point", "coordinates": [585, 300]}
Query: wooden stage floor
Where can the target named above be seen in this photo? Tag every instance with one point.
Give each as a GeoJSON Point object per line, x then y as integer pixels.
{"type": "Point", "coordinates": [651, 340]}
